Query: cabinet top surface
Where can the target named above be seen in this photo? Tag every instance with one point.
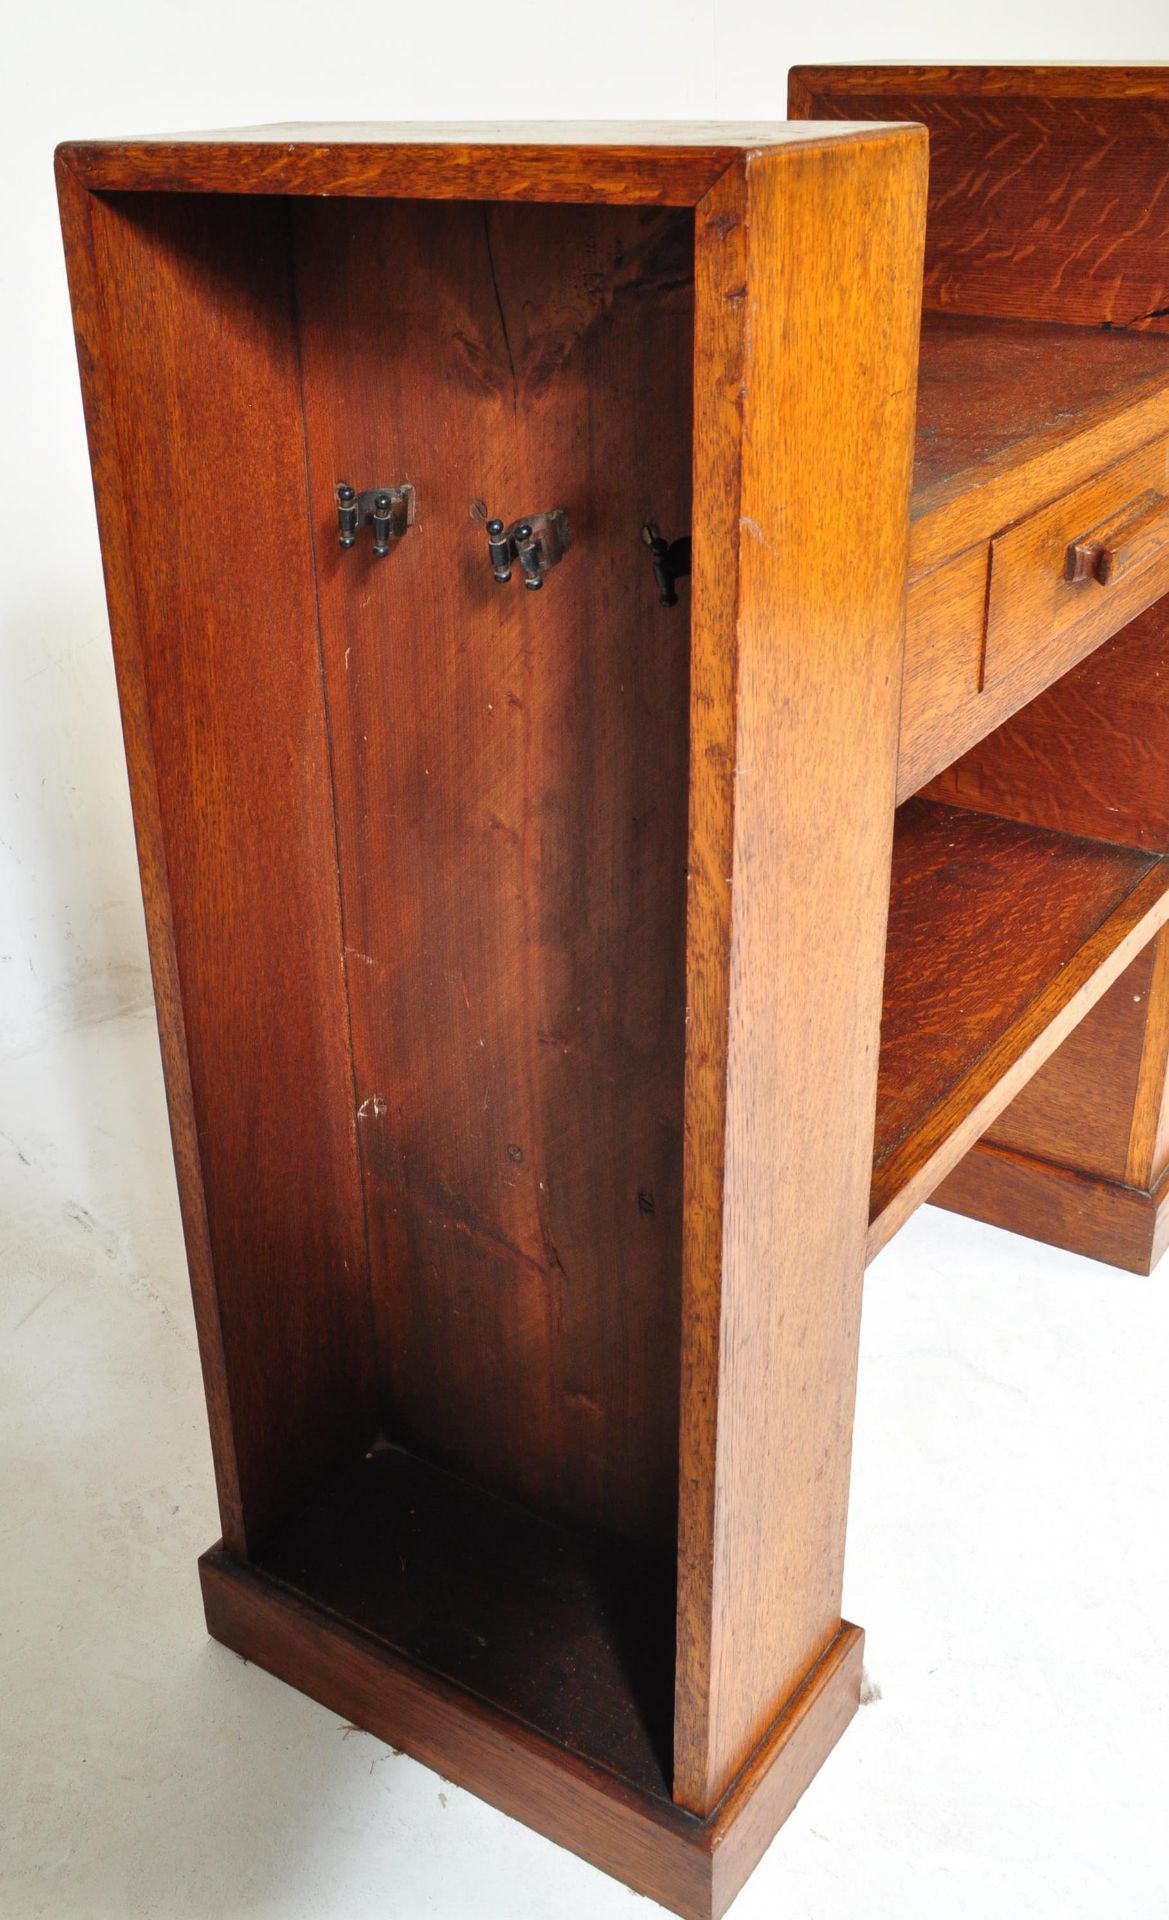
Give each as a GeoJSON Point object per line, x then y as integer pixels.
{"type": "Point", "coordinates": [1067, 80]}
{"type": "Point", "coordinates": [636, 134]}
{"type": "Point", "coordinates": [672, 162]}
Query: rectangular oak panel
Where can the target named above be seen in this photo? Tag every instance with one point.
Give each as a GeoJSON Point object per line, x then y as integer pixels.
{"type": "Point", "coordinates": [510, 772]}
{"type": "Point", "coordinates": [1073, 1114]}
{"type": "Point", "coordinates": [215, 636]}
{"type": "Point", "coordinates": [799, 456]}
{"type": "Point", "coordinates": [1047, 184]}
{"type": "Point", "coordinates": [1124, 1226]}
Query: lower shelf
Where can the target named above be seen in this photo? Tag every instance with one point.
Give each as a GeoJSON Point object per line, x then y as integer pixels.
{"type": "Point", "coordinates": [693, 1866]}
{"type": "Point", "coordinates": [569, 1634]}
{"type": "Point", "coordinates": [1001, 937]}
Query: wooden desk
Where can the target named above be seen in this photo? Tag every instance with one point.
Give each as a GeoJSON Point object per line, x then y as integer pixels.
{"type": "Point", "coordinates": [1045, 212]}
{"type": "Point", "coordinates": [571, 969]}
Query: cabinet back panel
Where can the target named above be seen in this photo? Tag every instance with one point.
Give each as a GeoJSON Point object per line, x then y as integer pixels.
{"type": "Point", "coordinates": [510, 775]}
{"type": "Point", "coordinates": [1048, 187]}
{"type": "Point", "coordinates": [219, 670]}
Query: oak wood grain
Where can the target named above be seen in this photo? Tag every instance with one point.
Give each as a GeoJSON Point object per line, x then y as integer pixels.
{"type": "Point", "coordinates": [1095, 1109]}
{"type": "Point", "coordinates": [801, 451]}
{"type": "Point", "coordinates": [720, 284]}
{"type": "Point", "coordinates": [114, 522]}
{"type": "Point", "coordinates": [1131, 536]}
{"type": "Point", "coordinates": [510, 772]}
{"type": "Point", "coordinates": [1012, 414]}
{"type": "Point", "coordinates": [947, 738]}
{"type": "Point", "coordinates": [1102, 1219]}
{"type": "Point", "coordinates": [945, 623]}
{"type": "Point", "coordinates": [1074, 1114]}
{"type": "Point", "coordinates": [1089, 755]}
{"type": "Point", "coordinates": [198, 355]}
{"type": "Point", "coordinates": [1097, 1105]}
{"type": "Point", "coordinates": [1020, 429]}
{"type": "Point", "coordinates": [998, 944]}
{"type": "Point", "coordinates": [1048, 192]}
{"type": "Point", "coordinates": [668, 163]}
{"type": "Point", "coordinates": [1034, 606]}
{"type": "Point", "coordinates": [1148, 1144]}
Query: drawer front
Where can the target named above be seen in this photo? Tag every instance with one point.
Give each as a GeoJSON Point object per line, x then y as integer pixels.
{"type": "Point", "coordinates": [1068, 576]}
{"type": "Point", "coordinates": [945, 614]}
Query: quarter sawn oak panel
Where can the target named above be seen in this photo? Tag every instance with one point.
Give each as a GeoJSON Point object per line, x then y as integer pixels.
{"type": "Point", "coordinates": [511, 779]}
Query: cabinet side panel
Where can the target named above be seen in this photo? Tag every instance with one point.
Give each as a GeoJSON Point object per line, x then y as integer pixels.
{"type": "Point", "coordinates": [830, 347]}
{"type": "Point", "coordinates": [720, 285]}
{"type": "Point", "coordinates": [76, 208]}
{"type": "Point", "coordinates": [1049, 188]}
{"type": "Point", "coordinates": [202, 375]}
{"type": "Point", "coordinates": [510, 769]}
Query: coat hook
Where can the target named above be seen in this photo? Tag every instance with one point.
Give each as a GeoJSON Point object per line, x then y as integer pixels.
{"type": "Point", "coordinates": [389, 510]}
{"type": "Point", "coordinates": [527, 552]}
{"type": "Point", "coordinates": [499, 551]}
{"type": "Point", "coordinates": [348, 515]}
{"type": "Point", "coordinates": [538, 543]}
{"type": "Point", "coordinates": [670, 560]}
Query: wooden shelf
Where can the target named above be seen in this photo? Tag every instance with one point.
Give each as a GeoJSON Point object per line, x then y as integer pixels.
{"type": "Point", "coordinates": [1012, 412]}
{"type": "Point", "coordinates": [1001, 936]}
{"type": "Point", "coordinates": [570, 1634]}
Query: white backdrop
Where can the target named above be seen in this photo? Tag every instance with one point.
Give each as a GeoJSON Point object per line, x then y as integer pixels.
{"type": "Point", "coordinates": [71, 937]}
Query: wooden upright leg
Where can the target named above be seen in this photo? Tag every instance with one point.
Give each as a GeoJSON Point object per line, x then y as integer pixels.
{"type": "Point", "coordinates": [797, 642]}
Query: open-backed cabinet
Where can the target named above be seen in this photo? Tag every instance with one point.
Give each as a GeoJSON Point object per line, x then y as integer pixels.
{"type": "Point", "coordinates": [560, 586]}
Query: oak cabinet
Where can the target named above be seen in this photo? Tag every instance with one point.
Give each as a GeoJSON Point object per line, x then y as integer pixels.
{"type": "Point", "coordinates": [581, 934]}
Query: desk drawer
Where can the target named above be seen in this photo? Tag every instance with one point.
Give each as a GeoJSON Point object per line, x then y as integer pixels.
{"type": "Point", "coordinates": [1068, 576]}
{"type": "Point", "coordinates": [944, 621]}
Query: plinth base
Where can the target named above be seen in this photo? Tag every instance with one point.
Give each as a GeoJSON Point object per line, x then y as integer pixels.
{"type": "Point", "coordinates": [1123, 1226]}
{"type": "Point", "coordinates": [693, 1866]}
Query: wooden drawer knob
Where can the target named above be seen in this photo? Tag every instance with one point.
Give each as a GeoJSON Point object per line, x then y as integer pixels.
{"type": "Point", "coordinates": [1122, 544]}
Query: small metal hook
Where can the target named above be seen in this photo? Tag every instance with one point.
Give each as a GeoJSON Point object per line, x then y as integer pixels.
{"type": "Point", "coordinates": [537, 543]}
{"type": "Point", "coordinates": [389, 510]}
{"type": "Point", "coordinates": [670, 560]}
{"type": "Point", "coordinates": [499, 551]}
{"type": "Point", "coordinates": [348, 515]}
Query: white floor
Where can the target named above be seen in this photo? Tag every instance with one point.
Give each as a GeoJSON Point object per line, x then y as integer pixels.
{"type": "Point", "coordinates": [1007, 1556]}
